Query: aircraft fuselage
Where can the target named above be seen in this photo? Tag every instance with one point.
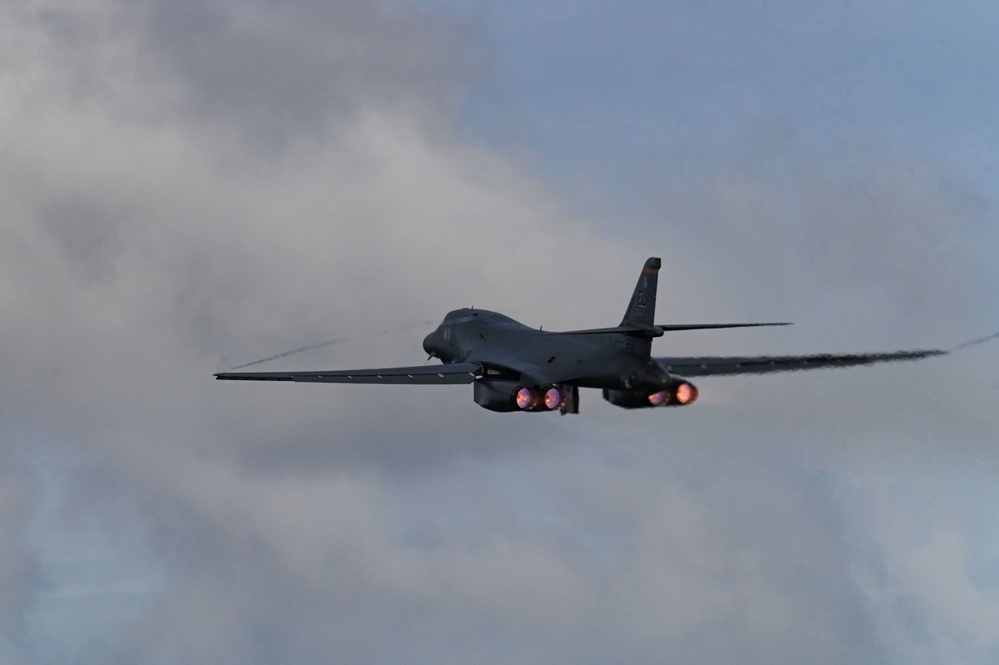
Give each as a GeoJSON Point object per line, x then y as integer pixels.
{"type": "Point", "coordinates": [598, 360]}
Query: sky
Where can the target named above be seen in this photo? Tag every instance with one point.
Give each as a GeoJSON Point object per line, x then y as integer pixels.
{"type": "Point", "coordinates": [192, 185]}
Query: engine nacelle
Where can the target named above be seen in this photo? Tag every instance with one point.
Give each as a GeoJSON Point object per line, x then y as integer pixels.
{"type": "Point", "coordinates": [505, 395]}
{"type": "Point", "coordinates": [496, 395]}
{"type": "Point", "coordinates": [680, 393]}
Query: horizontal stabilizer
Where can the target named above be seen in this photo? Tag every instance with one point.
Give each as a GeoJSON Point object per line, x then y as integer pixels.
{"type": "Point", "coordinates": [632, 329]}
{"type": "Point", "coordinates": [657, 331]}
{"type": "Point", "coordinates": [710, 326]}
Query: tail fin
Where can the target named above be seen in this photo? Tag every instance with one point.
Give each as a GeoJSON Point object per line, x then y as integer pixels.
{"type": "Point", "coordinates": [642, 308]}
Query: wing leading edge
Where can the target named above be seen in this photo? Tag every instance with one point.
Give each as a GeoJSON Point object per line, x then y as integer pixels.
{"type": "Point", "coordinates": [709, 366]}
{"type": "Point", "coordinates": [451, 373]}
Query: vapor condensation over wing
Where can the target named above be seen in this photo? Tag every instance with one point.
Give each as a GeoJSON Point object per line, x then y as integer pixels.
{"type": "Point", "coordinates": [338, 340]}
{"type": "Point", "coordinates": [976, 342]}
{"type": "Point", "coordinates": [310, 347]}
{"type": "Point", "coordinates": [719, 366]}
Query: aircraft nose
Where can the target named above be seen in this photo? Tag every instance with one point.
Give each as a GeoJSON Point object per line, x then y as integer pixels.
{"type": "Point", "coordinates": [430, 345]}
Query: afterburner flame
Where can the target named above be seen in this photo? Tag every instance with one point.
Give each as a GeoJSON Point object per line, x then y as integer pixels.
{"type": "Point", "coordinates": [686, 393]}
{"type": "Point", "coordinates": [659, 398]}
{"type": "Point", "coordinates": [526, 399]}
{"type": "Point", "coordinates": [553, 398]}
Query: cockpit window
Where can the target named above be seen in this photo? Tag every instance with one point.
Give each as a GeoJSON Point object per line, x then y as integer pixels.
{"type": "Point", "coordinates": [469, 314]}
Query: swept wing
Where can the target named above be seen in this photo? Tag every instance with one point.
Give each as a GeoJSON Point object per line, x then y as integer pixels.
{"type": "Point", "coordinates": [451, 373]}
{"type": "Point", "coordinates": [721, 366]}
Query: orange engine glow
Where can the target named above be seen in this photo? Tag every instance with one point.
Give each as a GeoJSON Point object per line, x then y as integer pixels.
{"type": "Point", "coordinates": [686, 393]}
{"type": "Point", "coordinates": [659, 398]}
{"type": "Point", "coordinates": [553, 398]}
{"type": "Point", "coordinates": [526, 399]}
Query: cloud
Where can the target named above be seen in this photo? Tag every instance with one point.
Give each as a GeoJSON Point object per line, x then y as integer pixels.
{"type": "Point", "coordinates": [192, 186]}
{"type": "Point", "coordinates": [19, 572]}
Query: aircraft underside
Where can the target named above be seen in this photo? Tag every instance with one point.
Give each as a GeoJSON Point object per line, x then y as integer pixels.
{"type": "Point", "coordinates": [506, 396]}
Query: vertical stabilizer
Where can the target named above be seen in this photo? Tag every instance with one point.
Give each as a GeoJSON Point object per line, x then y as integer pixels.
{"type": "Point", "coordinates": [642, 308]}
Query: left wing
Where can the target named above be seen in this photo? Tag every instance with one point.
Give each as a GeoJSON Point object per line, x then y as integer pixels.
{"type": "Point", "coordinates": [711, 366]}
{"type": "Point", "coordinates": [449, 373]}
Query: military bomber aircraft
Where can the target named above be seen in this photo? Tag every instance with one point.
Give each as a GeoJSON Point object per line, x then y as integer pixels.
{"type": "Point", "coordinates": [516, 368]}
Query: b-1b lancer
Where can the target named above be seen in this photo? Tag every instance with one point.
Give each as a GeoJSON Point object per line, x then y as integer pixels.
{"type": "Point", "coordinates": [516, 368]}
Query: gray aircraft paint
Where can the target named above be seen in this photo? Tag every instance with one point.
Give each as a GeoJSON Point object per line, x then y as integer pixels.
{"type": "Point", "coordinates": [513, 365]}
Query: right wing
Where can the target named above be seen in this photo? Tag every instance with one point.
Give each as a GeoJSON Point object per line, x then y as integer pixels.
{"type": "Point", "coordinates": [449, 373]}
{"type": "Point", "coordinates": [709, 366]}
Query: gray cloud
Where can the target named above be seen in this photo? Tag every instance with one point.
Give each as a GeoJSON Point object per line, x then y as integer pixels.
{"type": "Point", "coordinates": [148, 243]}
{"type": "Point", "coordinates": [270, 72]}
{"type": "Point", "coordinates": [20, 569]}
